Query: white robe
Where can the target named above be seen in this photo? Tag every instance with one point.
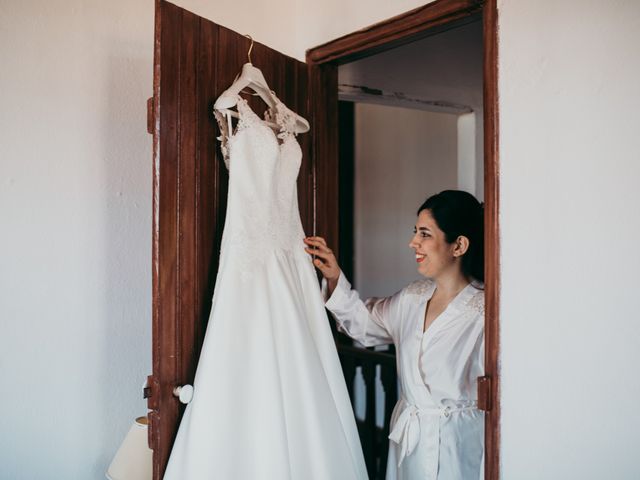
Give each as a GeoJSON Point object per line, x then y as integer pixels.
{"type": "Point", "coordinates": [437, 432]}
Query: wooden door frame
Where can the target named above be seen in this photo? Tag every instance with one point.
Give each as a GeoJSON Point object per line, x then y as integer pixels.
{"type": "Point", "coordinates": [405, 28]}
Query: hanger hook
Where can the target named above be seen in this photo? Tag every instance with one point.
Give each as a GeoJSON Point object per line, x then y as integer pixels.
{"type": "Point", "coordinates": [250, 47]}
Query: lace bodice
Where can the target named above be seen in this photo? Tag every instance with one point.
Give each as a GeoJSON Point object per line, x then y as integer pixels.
{"type": "Point", "coordinates": [262, 209]}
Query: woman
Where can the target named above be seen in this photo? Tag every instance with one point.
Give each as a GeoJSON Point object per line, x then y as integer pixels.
{"type": "Point", "coordinates": [437, 326]}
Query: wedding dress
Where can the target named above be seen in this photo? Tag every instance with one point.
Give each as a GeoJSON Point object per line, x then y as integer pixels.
{"type": "Point", "coordinates": [269, 401]}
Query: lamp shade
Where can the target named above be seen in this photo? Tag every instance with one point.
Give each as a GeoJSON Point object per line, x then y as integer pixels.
{"type": "Point", "coordinates": [133, 460]}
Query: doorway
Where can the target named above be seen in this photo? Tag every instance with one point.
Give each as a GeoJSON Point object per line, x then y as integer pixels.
{"type": "Point", "coordinates": [410, 125]}
{"type": "Point", "coordinates": [477, 172]}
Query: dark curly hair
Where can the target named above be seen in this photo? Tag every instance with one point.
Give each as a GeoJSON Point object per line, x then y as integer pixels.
{"type": "Point", "coordinates": [459, 213]}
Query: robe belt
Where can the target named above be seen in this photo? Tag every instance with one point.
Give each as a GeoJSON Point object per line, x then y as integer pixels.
{"type": "Point", "coordinates": [406, 431]}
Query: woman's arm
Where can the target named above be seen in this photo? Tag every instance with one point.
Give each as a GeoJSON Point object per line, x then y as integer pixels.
{"type": "Point", "coordinates": [367, 322]}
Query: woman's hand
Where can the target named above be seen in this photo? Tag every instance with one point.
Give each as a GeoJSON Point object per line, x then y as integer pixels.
{"type": "Point", "coordinates": [325, 260]}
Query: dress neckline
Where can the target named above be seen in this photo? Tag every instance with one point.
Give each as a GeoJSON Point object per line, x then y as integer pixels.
{"type": "Point", "coordinates": [278, 114]}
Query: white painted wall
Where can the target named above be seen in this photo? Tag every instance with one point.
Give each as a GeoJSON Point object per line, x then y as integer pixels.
{"type": "Point", "coordinates": [471, 155]}
{"type": "Point", "coordinates": [75, 208]}
{"type": "Point", "coordinates": [75, 202]}
{"type": "Point", "coordinates": [570, 164]}
{"type": "Point", "coordinates": [402, 156]}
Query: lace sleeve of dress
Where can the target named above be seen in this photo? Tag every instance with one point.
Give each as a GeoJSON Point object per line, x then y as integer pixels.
{"type": "Point", "coordinates": [282, 116]}
{"type": "Point", "coordinates": [223, 124]}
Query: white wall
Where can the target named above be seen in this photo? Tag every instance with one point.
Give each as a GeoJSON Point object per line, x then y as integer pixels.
{"type": "Point", "coordinates": [401, 157]}
{"type": "Point", "coordinates": [570, 164]}
{"type": "Point", "coordinates": [75, 200]}
{"type": "Point", "coordinates": [76, 192]}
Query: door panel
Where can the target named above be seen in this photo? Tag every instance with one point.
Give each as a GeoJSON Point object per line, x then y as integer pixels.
{"type": "Point", "coordinates": [195, 60]}
{"type": "Point", "coordinates": [323, 89]}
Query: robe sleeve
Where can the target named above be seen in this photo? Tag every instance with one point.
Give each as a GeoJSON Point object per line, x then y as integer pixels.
{"type": "Point", "coordinates": [367, 322]}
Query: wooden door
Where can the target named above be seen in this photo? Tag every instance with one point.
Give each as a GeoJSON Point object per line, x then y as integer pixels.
{"type": "Point", "coordinates": [195, 60]}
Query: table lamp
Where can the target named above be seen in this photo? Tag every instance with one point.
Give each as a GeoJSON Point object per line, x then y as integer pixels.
{"type": "Point", "coordinates": [133, 460]}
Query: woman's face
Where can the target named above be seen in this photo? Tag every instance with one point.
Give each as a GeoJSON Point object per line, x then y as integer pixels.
{"type": "Point", "coordinates": [434, 255]}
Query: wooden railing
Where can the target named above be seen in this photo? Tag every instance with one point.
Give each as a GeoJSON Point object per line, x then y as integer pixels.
{"type": "Point", "coordinates": [374, 439]}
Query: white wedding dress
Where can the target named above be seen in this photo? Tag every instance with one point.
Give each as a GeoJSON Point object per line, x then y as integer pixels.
{"type": "Point", "coordinates": [270, 401]}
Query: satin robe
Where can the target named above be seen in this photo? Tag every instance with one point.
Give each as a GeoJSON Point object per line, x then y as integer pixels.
{"type": "Point", "coordinates": [437, 432]}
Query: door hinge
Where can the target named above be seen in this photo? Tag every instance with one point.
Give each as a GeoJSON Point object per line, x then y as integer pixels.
{"type": "Point", "coordinates": [150, 116]}
{"type": "Point", "coordinates": [152, 432]}
{"type": "Point", "coordinates": [484, 393]}
{"type": "Point", "coordinates": [150, 392]}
